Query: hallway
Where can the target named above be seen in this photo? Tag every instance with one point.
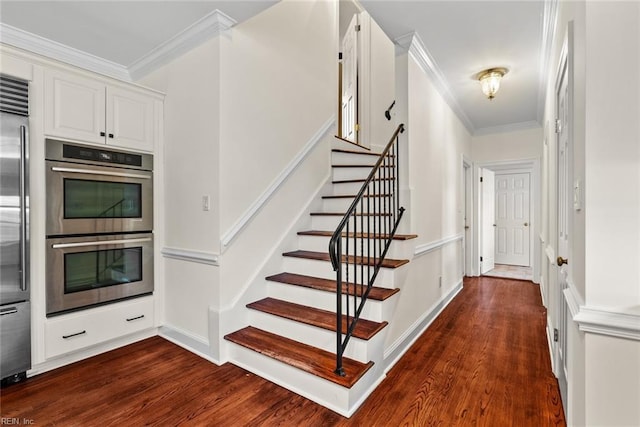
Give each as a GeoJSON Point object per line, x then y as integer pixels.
{"type": "Point", "coordinates": [483, 361]}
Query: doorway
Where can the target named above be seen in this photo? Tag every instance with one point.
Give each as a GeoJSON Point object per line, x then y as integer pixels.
{"type": "Point", "coordinates": [514, 202]}
{"type": "Point", "coordinates": [568, 197]}
{"type": "Point", "coordinates": [512, 217]}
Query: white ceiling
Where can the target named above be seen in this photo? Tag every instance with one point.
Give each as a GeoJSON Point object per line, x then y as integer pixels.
{"type": "Point", "coordinates": [460, 37]}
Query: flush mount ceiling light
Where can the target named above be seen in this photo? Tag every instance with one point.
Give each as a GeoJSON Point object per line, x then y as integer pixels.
{"type": "Point", "coordinates": [490, 80]}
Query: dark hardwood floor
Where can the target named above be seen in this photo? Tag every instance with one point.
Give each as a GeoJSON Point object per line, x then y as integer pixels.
{"type": "Point", "coordinates": [483, 361]}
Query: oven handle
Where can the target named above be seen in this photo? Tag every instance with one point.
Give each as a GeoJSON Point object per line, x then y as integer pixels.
{"type": "Point", "coordinates": [94, 172]}
{"type": "Point", "coordinates": [99, 243]}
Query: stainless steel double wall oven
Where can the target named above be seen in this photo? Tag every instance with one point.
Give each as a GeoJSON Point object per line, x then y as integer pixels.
{"type": "Point", "coordinates": [99, 225]}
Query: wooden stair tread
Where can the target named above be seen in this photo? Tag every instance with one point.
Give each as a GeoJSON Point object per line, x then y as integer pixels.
{"type": "Point", "coordinates": [360, 166]}
{"type": "Point", "coordinates": [365, 329]}
{"type": "Point", "coordinates": [342, 214]}
{"type": "Point", "coordinates": [321, 233]}
{"type": "Point", "coordinates": [365, 153]}
{"type": "Point", "coordinates": [353, 196]}
{"type": "Point", "coordinates": [351, 181]}
{"type": "Point", "coordinates": [324, 256]}
{"type": "Point", "coordinates": [327, 285]}
{"type": "Point", "coordinates": [302, 356]}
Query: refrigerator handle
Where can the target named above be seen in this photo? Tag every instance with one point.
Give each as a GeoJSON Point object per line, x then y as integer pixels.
{"type": "Point", "coordinates": [23, 208]}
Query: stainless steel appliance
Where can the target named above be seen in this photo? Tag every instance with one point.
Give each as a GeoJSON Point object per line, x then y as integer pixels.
{"type": "Point", "coordinates": [99, 225]}
{"type": "Point", "coordinates": [88, 270]}
{"type": "Point", "coordinates": [92, 190]}
{"type": "Point", "coordinates": [15, 317]}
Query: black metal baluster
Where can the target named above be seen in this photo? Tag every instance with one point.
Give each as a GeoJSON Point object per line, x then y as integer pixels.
{"type": "Point", "coordinates": [383, 180]}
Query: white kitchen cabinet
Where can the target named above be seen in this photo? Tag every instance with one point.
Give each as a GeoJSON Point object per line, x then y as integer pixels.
{"type": "Point", "coordinates": [70, 332]}
{"type": "Point", "coordinates": [91, 110]}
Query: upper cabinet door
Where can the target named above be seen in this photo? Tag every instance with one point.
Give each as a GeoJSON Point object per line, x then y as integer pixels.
{"type": "Point", "coordinates": [74, 107]}
{"type": "Point", "coordinates": [130, 118]}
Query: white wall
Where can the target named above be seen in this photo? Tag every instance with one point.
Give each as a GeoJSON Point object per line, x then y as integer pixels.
{"type": "Point", "coordinates": [279, 87]}
{"type": "Point", "coordinates": [191, 130]}
{"type": "Point", "coordinates": [508, 146]}
{"type": "Point", "coordinates": [433, 145]}
{"type": "Point", "coordinates": [604, 273]}
{"type": "Point", "coordinates": [239, 109]}
{"type": "Point", "coordinates": [612, 155]}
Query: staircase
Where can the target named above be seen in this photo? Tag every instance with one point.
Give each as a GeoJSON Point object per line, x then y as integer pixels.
{"type": "Point", "coordinates": [291, 339]}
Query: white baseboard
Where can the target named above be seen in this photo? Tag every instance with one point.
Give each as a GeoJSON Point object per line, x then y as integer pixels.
{"type": "Point", "coordinates": [194, 344]}
{"type": "Point", "coordinates": [393, 354]}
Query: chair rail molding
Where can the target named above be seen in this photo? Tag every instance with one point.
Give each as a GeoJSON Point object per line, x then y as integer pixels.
{"type": "Point", "coordinates": [208, 258]}
{"type": "Point", "coordinates": [437, 244]}
{"type": "Point", "coordinates": [599, 320]}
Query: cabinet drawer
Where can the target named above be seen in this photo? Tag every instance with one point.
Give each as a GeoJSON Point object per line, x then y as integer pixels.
{"type": "Point", "coordinates": [74, 331]}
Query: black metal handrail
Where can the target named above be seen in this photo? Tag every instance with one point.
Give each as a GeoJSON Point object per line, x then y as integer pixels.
{"type": "Point", "coordinates": [367, 228]}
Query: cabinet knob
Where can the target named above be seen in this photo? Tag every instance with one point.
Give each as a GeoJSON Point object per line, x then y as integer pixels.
{"type": "Point", "coordinates": [102, 134]}
{"type": "Point", "coordinates": [561, 261]}
{"type": "Point", "coordinates": [110, 135]}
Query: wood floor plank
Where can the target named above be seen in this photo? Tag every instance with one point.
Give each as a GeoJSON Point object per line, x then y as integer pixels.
{"type": "Point", "coordinates": [483, 361]}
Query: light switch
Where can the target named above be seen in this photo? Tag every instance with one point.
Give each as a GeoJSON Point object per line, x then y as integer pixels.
{"type": "Point", "coordinates": [206, 203]}
{"type": "Point", "coordinates": [577, 195]}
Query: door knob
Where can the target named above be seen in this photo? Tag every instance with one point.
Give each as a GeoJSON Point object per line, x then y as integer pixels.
{"type": "Point", "coordinates": [526, 224]}
{"type": "Point", "coordinates": [562, 261]}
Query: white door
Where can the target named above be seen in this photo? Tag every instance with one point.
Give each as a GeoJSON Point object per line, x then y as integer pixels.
{"type": "Point", "coordinates": [350, 82]}
{"type": "Point", "coordinates": [512, 219]}
{"type": "Point", "coordinates": [564, 192]}
{"type": "Point", "coordinates": [468, 214]}
{"type": "Point", "coordinates": [487, 191]}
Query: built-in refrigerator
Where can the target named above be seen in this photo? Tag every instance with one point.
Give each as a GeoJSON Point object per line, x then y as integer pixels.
{"type": "Point", "coordinates": [15, 310]}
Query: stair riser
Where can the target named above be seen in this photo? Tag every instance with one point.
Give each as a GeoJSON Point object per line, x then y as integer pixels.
{"type": "Point", "coordinates": [387, 277]}
{"type": "Point", "coordinates": [352, 159]}
{"type": "Point", "coordinates": [319, 390]}
{"type": "Point", "coordinates": [350, 173]}
{"type": "Point", "coordinates": [352, 188]}
{"type": "Point", "coordinates": [373, 224]}
{"type": "Point", "coordinates": [310, 335]}
{"type": "Point", "coordinates": [399, 249]}
{"type": "Point", "coordinates": [343, 204]}
{"type": "Point", "coordinates": [336, 205]}
{"type": "Point", "coordinates": [373, 309]}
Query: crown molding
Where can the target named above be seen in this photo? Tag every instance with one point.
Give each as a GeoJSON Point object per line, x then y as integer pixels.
{"type": "Point", "coordinates": [549, 19]}
{"type": "Point", "coordinates": [415, 46]}
{"type": "Point", "coordinates": [48, 48]}
{"type": "Point", "coordinates": [511, 127]}
{"type": "Point", "coordinates": [211, 25]}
